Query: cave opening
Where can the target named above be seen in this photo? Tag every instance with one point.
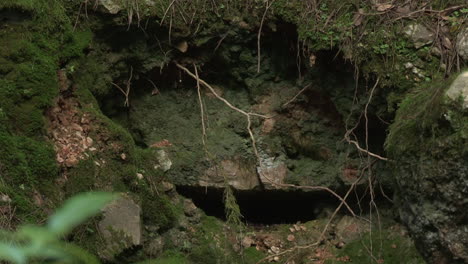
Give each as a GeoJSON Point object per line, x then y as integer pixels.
{"type": "Point", "coordinates": [270, 207]}
{"type": "Point", "coordinates": [329, 100]}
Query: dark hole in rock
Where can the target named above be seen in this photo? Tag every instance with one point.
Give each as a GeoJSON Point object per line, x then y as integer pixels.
{"type": "Point", "coordinates": [273, 206]}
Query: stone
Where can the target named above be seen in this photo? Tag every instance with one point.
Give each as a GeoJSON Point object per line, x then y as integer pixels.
{"type": "Point", "coordinates": [462, 44]}
{"type": "Point", "coordinates": [5, 198]}
{"type": "Point", "coordinates": [190, 209]}
{"type": "Point", "coordinates": [419, 34]}
{"type": "Point", "coordinates": [167, 186]}
{"type": "Point", "coordinates": [120, 227]}
{"type": "Point", "coordinates": [239, 174]}
{"type": "Point", "coordinates": [164, 163]}
{"type": "Point", "coordinates": [109, 6]}
{"type": "Point", "coordinates": [139, 176]}
{"type": "Point", "coordinates": [459, 89]}
{"type": "Point", "coordinates": [272, 172]}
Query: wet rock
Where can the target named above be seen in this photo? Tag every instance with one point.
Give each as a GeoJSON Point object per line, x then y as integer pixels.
{"type": "Point", "coordinates": [419, 34]}
{"type": "Point", "coordinates": [120, 226]}
{"type": "Point", "coordinates": [459, 89]}
{"type": "Point", "coordinates": [462, 44]}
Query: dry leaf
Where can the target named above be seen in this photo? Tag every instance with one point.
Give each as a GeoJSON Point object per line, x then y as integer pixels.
{"type": "Point", "coordinates": [384, 7]}
{"type": "Point", "coordinates": [447, 43]}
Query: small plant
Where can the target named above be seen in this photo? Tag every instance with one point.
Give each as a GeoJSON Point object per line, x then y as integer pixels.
{"type": "Point", "coordinates": [36, 243]}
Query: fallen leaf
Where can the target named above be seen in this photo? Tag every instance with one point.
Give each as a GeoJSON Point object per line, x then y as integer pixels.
{"type": "Point", "coordinates": [384, 7]}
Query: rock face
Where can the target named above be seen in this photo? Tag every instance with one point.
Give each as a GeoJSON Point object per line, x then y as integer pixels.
{"type": "Point", "coordinates": [432, 175]}
{"type": "Point", "coordinates": [120, 226]}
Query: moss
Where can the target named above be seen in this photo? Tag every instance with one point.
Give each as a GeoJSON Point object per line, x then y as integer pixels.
{"type": "Point", "coordinates": [30, 52]}
{"type": "Point", "coordinates": [418, 120]}
{"type": "Point", "coordinates": [158, 211]}
{"type": "Point", "coordinates": [168, 257]}
{"type": "Point", "coordinates": [252, 255]}
{"type": "Point", "coordinates": [26, 165]}
{"type": "Point", "coordinates": [387, 247]}
{"type": "Point", "coordinates": [213, 243]}
{"type": "Point", "coordinates": [174, 115]}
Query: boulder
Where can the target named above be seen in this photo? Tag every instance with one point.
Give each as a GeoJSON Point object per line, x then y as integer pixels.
{"type": "Point", "coordinates": [120, 227]}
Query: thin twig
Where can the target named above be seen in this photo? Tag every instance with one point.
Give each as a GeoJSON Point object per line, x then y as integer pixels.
{"type": "Point", "coordinates": [167, 10]}
{"type": "Point", "coordinates": [355, 143]}
{"type": "Point", "coordinates": [128, 86]}
{"type": "Point", "coordinates": [299, 93]}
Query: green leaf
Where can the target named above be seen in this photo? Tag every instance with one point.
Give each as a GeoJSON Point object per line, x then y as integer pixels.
{"type": "Point", "coordinates": [11, 253]}
{"type": "Point", "coordinates": [78, 209]}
